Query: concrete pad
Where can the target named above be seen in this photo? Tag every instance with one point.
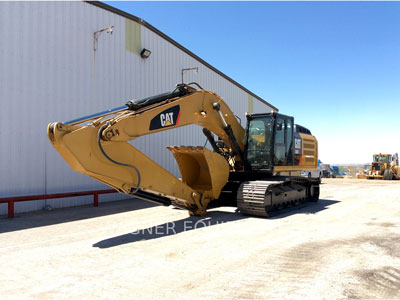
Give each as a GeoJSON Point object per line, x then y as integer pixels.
{"type": "Point", "coordinates": [346, 246]}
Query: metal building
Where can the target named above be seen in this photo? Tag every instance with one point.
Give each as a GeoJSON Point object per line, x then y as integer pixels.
{"type": "Point", "coordinates": [57, 64]}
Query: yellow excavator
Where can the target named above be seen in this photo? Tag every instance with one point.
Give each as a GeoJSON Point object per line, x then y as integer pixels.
{"type": "Point", "coordinates": [256, 168]}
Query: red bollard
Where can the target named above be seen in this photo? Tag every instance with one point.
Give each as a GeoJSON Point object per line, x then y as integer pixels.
{"type": "Point", "coordinates": [95, 199]}
{"type": "Point", "coordinates": [11, 209]}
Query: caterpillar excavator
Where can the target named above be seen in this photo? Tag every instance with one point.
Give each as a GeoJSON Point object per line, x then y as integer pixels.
{"type": "Point", "coordinates": [254, 167]}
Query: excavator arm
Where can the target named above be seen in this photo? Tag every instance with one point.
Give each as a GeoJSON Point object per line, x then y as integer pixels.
{"type": "Point", "coordinates": [101, 148]}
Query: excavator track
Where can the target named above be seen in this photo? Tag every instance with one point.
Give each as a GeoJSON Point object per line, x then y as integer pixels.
{"type": "Point", "coordinates": [266, 198]}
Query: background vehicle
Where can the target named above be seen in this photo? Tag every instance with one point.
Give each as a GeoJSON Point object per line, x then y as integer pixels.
{"type": "Point", "coordinates": [318, 173]}
{"type": "Point", "coordinates": [326, 170]}
{"type": "Point", "coordinates": [241, 169]}
{"type": "Point", "coordinates": [385, 166]}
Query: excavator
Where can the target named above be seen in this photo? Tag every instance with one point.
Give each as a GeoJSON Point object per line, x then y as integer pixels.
{"type": "Point", "coordinates": [257, 168]}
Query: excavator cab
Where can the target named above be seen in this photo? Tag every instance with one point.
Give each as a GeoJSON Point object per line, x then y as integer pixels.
{"type": "Point", "coordinates": [269, 141]}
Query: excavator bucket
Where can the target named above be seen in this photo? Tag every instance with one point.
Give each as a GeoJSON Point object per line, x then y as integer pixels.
{"type": "Point", "coordinates": [201, 169]}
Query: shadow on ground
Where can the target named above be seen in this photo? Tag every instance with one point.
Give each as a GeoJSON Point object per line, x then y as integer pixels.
{"type": "Point", "coordinates": [70, 214]}
{"type": "Point", "coordinates": [171, 228]}
{"type": "Point", "coordinates": [304, 208]}
{"type": "Point", "coordinates": [213, 218]}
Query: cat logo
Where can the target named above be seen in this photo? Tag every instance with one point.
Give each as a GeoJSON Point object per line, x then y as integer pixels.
{"type": "Point", "coordinates": [167, 118]}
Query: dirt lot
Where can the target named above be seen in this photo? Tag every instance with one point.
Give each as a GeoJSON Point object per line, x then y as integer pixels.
{"type": "Point", "coordinates": [347, 246]}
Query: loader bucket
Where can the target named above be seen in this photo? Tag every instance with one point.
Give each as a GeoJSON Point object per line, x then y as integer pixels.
{"type": "Point", "coordinates": [201, 169]}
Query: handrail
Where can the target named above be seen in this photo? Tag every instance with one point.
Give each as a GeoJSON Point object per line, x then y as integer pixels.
{"type": "Point", "coordinates": [11, 200]}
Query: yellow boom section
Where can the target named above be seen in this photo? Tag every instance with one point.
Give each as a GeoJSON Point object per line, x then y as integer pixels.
{"type": "Point", "coordinates": [101, 150]}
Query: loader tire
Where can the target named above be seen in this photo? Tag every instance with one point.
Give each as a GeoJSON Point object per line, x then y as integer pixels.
{"type": "Point", "coordinates": [388, 175]}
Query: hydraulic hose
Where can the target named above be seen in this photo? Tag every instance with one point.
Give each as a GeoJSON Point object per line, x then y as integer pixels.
{"type": "Point", "coordinates": [100, 132]}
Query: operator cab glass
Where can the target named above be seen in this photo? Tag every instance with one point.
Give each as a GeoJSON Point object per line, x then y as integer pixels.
{"type": "Point", "coordinates": [283, 141]}
{"type": "Point", "coordinates": [269, 141]}
{"type": "Point", "coordinates": [259, 137]}
{"type": "Point", "coordinates": [382, 158]}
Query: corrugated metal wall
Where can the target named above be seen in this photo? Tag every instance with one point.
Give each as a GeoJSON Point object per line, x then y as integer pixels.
{"type": "Point", "coordinates": [48, 72]}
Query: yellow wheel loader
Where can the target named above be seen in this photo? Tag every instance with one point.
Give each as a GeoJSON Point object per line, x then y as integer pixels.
{"type": "Point", "coordinates": [385, 166]}
{"type": "Point", "coordinates": [256, 168]}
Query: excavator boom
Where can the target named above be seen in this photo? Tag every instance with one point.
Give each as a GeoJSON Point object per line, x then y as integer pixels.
{"type": "Point", "coordinates": [101, 149]}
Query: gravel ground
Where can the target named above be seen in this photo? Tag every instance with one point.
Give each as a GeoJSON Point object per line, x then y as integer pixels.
{"type": "Point", "coordinates": [347, 246]}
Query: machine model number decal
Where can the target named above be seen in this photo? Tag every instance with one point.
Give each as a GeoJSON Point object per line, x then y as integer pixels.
{"type": "Point", "coordinates": [167, 118]}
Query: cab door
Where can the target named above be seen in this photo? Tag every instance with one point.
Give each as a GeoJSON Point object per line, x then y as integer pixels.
{"type": "Point", "coordinates": [283, 140]}
{"type": "Point", "coordinates": [259, 142]}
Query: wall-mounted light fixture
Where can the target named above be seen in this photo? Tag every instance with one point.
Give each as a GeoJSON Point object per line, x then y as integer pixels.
{"type": "Point", "coordinates": [145, 53]}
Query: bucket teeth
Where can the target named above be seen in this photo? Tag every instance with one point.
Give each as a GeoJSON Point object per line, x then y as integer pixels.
{"type": "Point", "coordinates": [186, 149]}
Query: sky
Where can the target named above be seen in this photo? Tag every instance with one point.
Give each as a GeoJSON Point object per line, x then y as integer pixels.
{"type": "Point", "coordinates": [334, 66]}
